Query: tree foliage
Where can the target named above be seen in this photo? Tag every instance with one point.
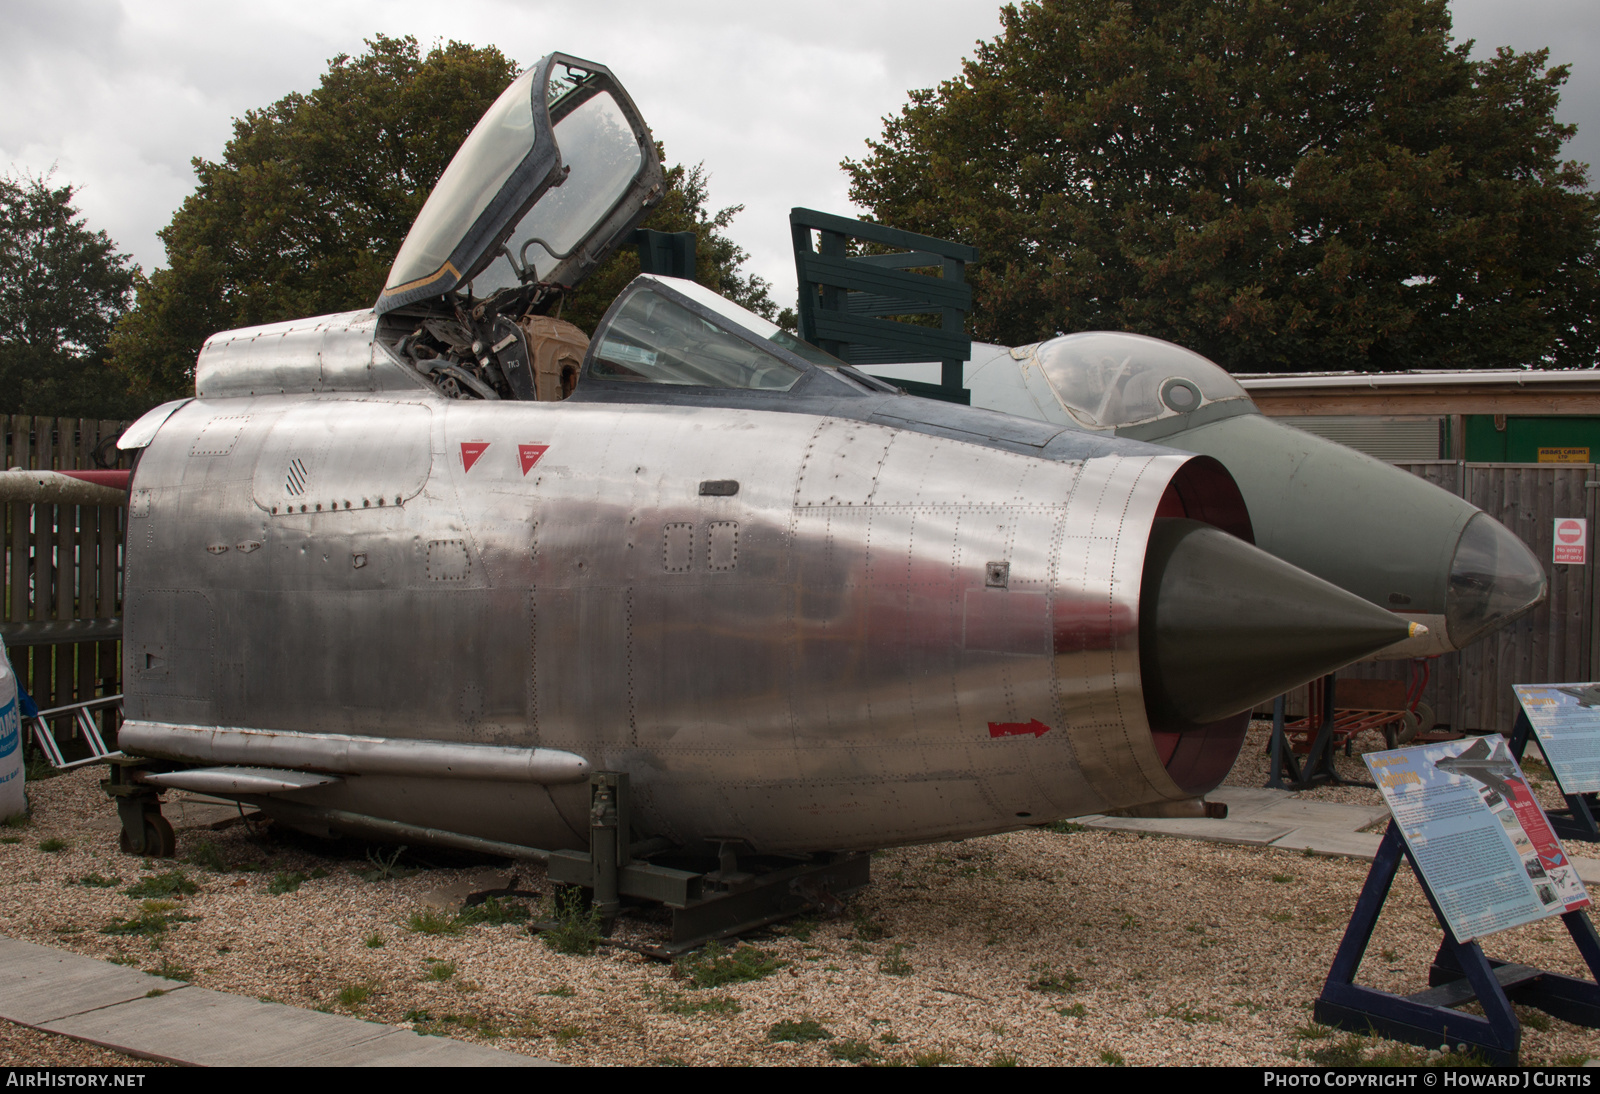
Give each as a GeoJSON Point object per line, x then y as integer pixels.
{"type": "Point", "coordinates": [1308, 184]}
{"type": "Point", "coordinates": [315, 193]}
{"type": "Point", "coordinates": [62, 287]}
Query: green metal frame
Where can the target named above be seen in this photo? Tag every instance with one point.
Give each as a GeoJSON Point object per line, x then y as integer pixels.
{"type": "Point", "coordinates": [844, 296]}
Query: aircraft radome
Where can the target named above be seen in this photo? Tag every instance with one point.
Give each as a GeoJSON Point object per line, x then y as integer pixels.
{"type": "Point", "coordinates": [1384, 534]}
{"type": "Point", "coordinates": [383, 579]}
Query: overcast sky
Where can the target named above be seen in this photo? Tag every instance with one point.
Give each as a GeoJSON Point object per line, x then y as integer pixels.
{"type": "Point", "coordinates": [118, 95]}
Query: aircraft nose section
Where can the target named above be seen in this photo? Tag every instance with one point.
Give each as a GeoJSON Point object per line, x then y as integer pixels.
{"type": "Point", "coordinates": [1493, 579]}
{"type": "Point", "coordinates": [1224, 626]}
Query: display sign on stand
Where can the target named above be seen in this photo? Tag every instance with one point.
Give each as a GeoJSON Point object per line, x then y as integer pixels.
{"type": "Point", "coordinates": [1488, 859]}
{"type": "Point", "coordinates": [1565, 719]}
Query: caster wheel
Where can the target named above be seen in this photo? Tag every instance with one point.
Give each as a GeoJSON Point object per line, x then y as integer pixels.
{"type": "Point", "coordinates": [159, 839]}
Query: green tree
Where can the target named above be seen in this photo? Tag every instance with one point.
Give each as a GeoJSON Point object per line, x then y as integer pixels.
{"type": "Point", "coordinates": [62, 287]}
{"type": "Point", "coordinates": [315, 193]}
{"type": "Point", "coordinates": [1307, 184]}
{"type": "Point", "coordinates": [309, 204]}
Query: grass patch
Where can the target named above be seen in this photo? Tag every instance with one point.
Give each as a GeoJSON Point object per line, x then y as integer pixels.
{"type": "Point", "coordinates": [712, 967]}
{"type": "Point", "coordinates": [560, 991]}
{"type": "Point", "coordinates": [374, 941]}
{"type": "Point", "coordinates": [386, 867]}
{"type": "Point", "coordinates": [1112, 1058]}
{"type": "Point", "coordinates": [807, 1029]}
{"type": "Point", "coordinates": [1050, 981]}
{"type": "Point", "coordinates": [154, 918]}
{"type": "Point", "coordinates": [156, 993]}
{"type": "Point", "coordinates": [20, 820]}
{"type": "Point", "coordinates": [935, 1058]}
{"type": "Point", "coordinates": [577, 929]}
{"type": "Point", "coordinates": [429, 921]}
{"type": "Point", "coordinates": [1004, 1059]}
{"type": "Point", "coordinates": [207, 856]}
{"type": "Point", "coordinates": [854, 1052]}
{"type": "Point", "coordinates": [97, 881]}
{"type": "Point", "coordinates": [172, 883]}
{"type": "Point", "coordinates": [53, 844]}
{"type": "Point", "coordinates": [286, 881]}
{"type": "Point", "coordinates": [894, 962]}
{"type": "Point", "coordinates": [353, 995]}
{"type": "Point", "coordinates": [495, 912]}
{"type": "Point", "coordinates": [1190, 1015]}
{"type": "Point", "coordinates": [568, 1034]}
{"type": "Point", "coordinates": [10, 839]}
{"type": "Point", "coordinates": [171, 970]}
{"type": "Point", "coordinates": [1282, 879]}
{"type": "Point", "coordinates": [1077, 1010]}
{"type": "Point", "coordinates": [718, 1005]}
{"type": "Point", "coordinates": [1066, 828]}
{"type": "Point", "coordinates": [440, 971]}
{"type": "Point", "coordinates": [868, 929]}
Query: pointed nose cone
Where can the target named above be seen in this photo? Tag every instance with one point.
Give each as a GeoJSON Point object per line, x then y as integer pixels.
{"type": "Point", "coordinates": [1493, 579]}
{"type": "Point", "coordinates": [1224, 626]}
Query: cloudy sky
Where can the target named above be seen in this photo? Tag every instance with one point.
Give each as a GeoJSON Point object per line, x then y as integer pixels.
{"type": "Point", "coordinates": [118, 95]}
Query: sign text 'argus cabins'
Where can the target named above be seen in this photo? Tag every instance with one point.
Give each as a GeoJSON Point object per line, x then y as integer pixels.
{"type": "Point", "coordinates": [1477, 834]}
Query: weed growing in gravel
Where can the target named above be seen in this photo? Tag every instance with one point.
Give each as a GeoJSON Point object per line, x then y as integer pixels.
{"type": "Point", "coordinates": [1112, 1059]}
{"type": "Point", "coordinates": [10, 839]}
{"type": "Point", "coordinates": [935, 1058]}
{"type": "Point", "coordinates": [1003, 1059]}
{"type": "Point", "coordinates": [1189, 1015]}
{"type": "Point", "coordinates": [20, 820]}
{"type": "Point", "coordinates": [1077, 1010]}
{"type": "Point", "coordinates": [1533, 1018]}
{"type": "Point", "coordinates": [560, 991]}
{"type": "Point", "coordinates": [1313, 1031]}
{"type": "Point", "coordinates": [97, 881]}
{"type": "Point", "coordinates": [1388, 955]}
{"type": "Point", "coordinates": [712, 967]}
{"type": "Point", "coordinates": [807, 1029]}
{"type": "Point", "coordinates": [1356, 1050]}
{"type": "Point", "coordinates": [439, 970]}
{"type": "Point", "coordinates": [1066, 828]}
{"type": "Point", "coordinates": [206, 855]}
{"type": "Point", "coordinates": [719, 1005]}
{"type": "Point", "coordinates": [854, 1052]}
{"type": "Point", "coordinates": [171, 883]}
{"type": "Point", "coordinates": [286, 881]}
{"type": "Point", "coordinates": [156, 993]}
{"type": "Point", "coordinates": [1051, 982]}
{"type": "Point", "coordinates": [867, 929]}
{"type": "Point", "coordinates": [385, 867]}
{"type": "Point", "coordinates": [1282, 879]}
{"type": "Point", "coordinates": [568, 1034]}
{"type": "Point", "coordinates": [353, 995]}
{"type": "Point", "coordinates": [889, 1038]}
{"type": "Point", "coordinates": [429, 921]}
{"type": "Point", "coordinates": [374, 941]}
{"type": "Point", "coordinates": [122, 959]}
{"type": "Point", "coordinates": [800, 929]}
{"type": "Point", "coordinates": [894, 963]}
{"type": "Point", "coordinates": [670, 1061]}
{"type": "Point", "coordinates": [577, 929]}
{"type": "Point", "coordinates": [171, 970]}
{"type": "Point", "coordinates": [155, 918]}
{"type": "Point", "coordinates": [53, 844]}
{"type": "Point", "coordinates": [495, 912]}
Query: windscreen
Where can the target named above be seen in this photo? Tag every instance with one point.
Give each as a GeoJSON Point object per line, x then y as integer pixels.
{"type": "Point", "coordinates": [1108, 379]}
{"type": "Point", "coordinates": [653, 340]}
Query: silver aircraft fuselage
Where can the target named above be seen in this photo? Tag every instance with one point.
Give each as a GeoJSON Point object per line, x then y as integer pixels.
{"type": "Point", "coordinates": [823, 658]}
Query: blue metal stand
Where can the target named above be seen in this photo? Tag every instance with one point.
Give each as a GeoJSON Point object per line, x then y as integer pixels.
{"type": "Point", "coordinates": [1460, 974]}
{"type": "Point", "coordinates": [1576, 821]}
{"type": "Point", "coordinates": [1318, 770]}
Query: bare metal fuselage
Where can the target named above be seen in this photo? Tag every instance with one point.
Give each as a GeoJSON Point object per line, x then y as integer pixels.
{"type": "Point", "coordinates": [826, 658]}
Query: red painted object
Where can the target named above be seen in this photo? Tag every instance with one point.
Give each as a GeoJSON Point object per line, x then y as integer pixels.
{"type": "Point", "coordinates": [115, 479]}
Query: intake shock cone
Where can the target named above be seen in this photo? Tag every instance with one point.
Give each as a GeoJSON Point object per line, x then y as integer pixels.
{"type": "Point", "coordinates": [1224, 626]}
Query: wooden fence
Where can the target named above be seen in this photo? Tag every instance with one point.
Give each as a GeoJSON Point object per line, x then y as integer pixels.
{"type": "Point", "coordinates": [63, 565]}
{"type": "Point", "coordinates": [1471, 689]}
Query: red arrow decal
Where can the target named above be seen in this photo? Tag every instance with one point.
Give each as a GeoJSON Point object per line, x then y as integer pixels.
{"type": "Point", "coordinates": [529, 455]}
{"type": "Point", "coordinates": [470, 451]}
{"type": "Point", "coordinates": [1018, 729]}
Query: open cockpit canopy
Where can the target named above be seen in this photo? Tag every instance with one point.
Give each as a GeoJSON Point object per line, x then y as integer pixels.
{"type": "Point", "coordinates": [547, 184]}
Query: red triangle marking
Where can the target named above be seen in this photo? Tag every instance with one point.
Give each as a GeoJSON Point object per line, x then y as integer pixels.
{"type": "Point", "coordinates": [529, 455]}
{"type": "Point", "coordinates": [470, 451]}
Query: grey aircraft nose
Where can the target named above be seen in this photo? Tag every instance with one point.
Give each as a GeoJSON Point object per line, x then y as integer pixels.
{"type": "Point", "coordinates": [1224, 625]}
{"type": "Point", "coordinates": [1493, 579]}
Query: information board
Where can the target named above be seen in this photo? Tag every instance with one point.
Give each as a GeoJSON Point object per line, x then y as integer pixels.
{"type": "Point", "coordinates": [1477, 834]}
{"type": "Point", "coordinates": [1566, 720]}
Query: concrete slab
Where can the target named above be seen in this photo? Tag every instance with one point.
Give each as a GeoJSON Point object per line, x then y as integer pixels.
{"type": "Point", "coordinates": [1325, 841]}
{"type": "Point", "coordinates": [1248, 833]}
{"type": "Point", "coordinates": [453, 892]}
{"type": "Point", "coordinates": [210, 1029]}
{"type": "Point", "coordinates": [1242, 800]}
{"type": "Point", "coordinates": [112, 1006]}
{"type": "Point", "coordinates": [1588, 868]}
{"type": "Point", "coordinates": [1301, 813]}
{"type": "Point", "coordinates": [42, 984]}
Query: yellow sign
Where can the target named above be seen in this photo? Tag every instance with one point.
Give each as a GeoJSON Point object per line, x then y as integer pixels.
{"type": "Point", "coordinates": [1564, 455]}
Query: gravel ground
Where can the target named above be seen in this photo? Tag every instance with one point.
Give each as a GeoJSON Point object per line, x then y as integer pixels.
{"type": "Point", "coordinates": [1036, 947]}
